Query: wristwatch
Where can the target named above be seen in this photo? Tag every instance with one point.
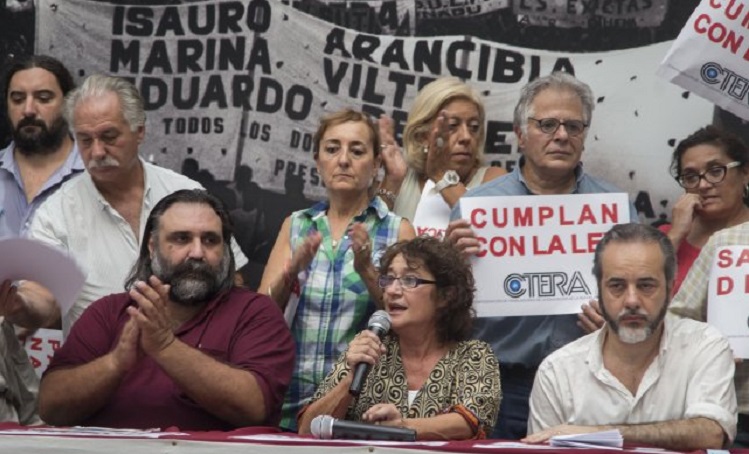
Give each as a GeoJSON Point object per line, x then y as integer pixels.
{"type": "Point", "coordinates": [450, 178]}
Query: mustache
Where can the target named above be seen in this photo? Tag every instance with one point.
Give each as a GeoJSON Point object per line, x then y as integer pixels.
{"type": "Point", "coordinates": [193, 268]}
{"type": "Point", "coordinates": [106, 161]}
{"type": "Point", "coordinates": [30, 121]}
{"type": "Point", "coordinates": [631, 312]}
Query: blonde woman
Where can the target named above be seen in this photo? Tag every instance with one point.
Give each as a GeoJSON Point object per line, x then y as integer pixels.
{"type": "Point", "coordinates": [443, 141]}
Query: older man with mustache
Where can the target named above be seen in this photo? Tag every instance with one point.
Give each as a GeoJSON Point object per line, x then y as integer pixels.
{"type": "Point", "coordinates": [98, 219]}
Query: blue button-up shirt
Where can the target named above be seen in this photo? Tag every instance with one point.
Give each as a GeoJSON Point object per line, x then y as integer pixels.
{"type": "Point", "coordinates": [15, 210]}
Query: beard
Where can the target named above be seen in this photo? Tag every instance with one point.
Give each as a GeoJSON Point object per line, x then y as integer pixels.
{"type": "Point", "coordinates": [193, 282]}
{"type": "Point", "coordinates": [634, 335]}
{"type": "Point", "coordinates": [44, 140]}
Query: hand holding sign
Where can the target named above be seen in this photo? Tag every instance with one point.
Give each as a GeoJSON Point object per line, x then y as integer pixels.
{"type": "Point", "coordinates": [460, 234]}
{"type": "Point", "coordinates": [590, 319]}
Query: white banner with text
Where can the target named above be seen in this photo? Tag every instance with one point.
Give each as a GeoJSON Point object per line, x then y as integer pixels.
{"type": "Point", "coordinates": [711, 55]}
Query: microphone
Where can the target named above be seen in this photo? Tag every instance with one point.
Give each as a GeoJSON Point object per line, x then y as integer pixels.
{"type": "Point", "coordinates": [379, 323]}
{"type": "Point", "coordinates": [326, 427]}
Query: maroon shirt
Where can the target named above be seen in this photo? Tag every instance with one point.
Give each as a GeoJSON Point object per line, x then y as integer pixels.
{"type": "Point", "coordinates": [239, 327]}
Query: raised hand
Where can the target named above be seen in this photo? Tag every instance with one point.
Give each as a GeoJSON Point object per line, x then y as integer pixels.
{"type": "Point", "coordinates": [392, 156]}
{"type": "Point", "coordinates": [438, 150]}
{"type": "Point", "coordinates": [152, 315]}
{"type": "Point", "coordinates": [303, 255]}
{"type": "Point", "coordinates": [361, 245]}
{"type": "Point", "coordinates": [127, 351]}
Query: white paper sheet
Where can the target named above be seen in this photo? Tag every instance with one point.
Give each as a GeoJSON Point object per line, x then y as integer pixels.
{"type": "Point", "coordinates": [21, 258]}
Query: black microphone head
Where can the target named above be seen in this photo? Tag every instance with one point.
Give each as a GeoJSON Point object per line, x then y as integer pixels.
{"type": "Point", "coordinates": [379, 320]}
{"type": "Point", "coordinates": [322, 427]}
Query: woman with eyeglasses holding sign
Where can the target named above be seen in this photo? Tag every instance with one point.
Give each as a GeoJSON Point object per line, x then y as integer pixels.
{"type": "Point", "coordinates": [443, 142]}
{"type": "Point", "coordinates": [426, 374]}
{"type": "Point", "coordinates": [713, 167]}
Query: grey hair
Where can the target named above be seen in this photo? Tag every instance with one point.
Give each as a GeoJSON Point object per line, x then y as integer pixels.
{"type": "Point", "coordinates": [636, 233]}
{"type": "Point", "coordinates": [559, 81]}
{"type": "Point", "coordinates": [96, 86]}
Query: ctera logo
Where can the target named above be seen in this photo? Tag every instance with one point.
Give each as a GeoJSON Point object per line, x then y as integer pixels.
{"type": "Point", "coordinates": [730, 83]}
{"type": "Point", "coordinates": [545, 284]}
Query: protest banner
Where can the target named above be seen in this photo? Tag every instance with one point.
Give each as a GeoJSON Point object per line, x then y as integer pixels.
{"type": "Point", "coordinates": [536, 252]}
{"type": "Point", "coordinates": [592, 14]}
{"type": "Point", "coordinates": [711, 55]}
{"type": "Point", "coordinates": [457, 9]}
{"type": "Point", "coordinates": [728, 297]}
{"type": "Point", "coordinates": [227, 86]}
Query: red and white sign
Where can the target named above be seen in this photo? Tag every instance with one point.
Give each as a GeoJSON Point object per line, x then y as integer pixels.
{"type": "Point", "coordinates": [711, 55]}
{"type": "Point", "coordinates": [41, 347]}
{"type": "Point", "coordinates": [537, 251]}
{"type": "Point", "coordinates": [728, 297]}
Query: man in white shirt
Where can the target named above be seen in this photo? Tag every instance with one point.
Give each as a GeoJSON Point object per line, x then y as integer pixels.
{"type": "Point", "coordinates": [98, 218]}
{"type": "Point", "coordinates": [665, 383]}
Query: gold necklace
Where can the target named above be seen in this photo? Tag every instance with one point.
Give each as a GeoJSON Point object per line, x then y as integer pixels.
{"type": "Point", "coordinates": [335, 243]}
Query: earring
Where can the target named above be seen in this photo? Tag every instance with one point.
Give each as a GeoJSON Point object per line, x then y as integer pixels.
{"type": "Point", "coordinates": [425, 149]}
{"type": "Point", "coordinates": [746, 191]}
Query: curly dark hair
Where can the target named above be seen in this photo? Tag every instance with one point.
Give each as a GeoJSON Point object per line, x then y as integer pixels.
{"type": "Point", "coordinates": [730, 143]}
{"type": "Point", "coordinates": [454, 278]}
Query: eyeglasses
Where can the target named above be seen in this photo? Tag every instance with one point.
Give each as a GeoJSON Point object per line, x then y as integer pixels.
{"type": "Point", "coordinates": [385, 281]}
{"type": "Point", "coordinates": [550, 125]}
{"type": "Point", "coordinates": [713, 175]}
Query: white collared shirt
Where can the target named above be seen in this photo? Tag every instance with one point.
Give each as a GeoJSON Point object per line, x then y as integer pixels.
{"type": "Point", "coordinates": [692, 376]}
{"type": "Point", "coordinates": [80, 222]}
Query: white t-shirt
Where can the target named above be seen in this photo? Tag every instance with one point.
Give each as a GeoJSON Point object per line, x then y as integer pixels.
{"type": "Point", "coordinates": [412, 396]}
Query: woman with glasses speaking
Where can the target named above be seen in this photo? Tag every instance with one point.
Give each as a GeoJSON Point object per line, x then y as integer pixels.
{"type": "Point", "coordinates": [426, 375]}
{"type": "Point", "coordinates": [713, 167]}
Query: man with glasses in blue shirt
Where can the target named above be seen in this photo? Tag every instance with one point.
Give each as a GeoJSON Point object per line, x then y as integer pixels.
{"type": "Point", "coordinates": [551, 120]}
